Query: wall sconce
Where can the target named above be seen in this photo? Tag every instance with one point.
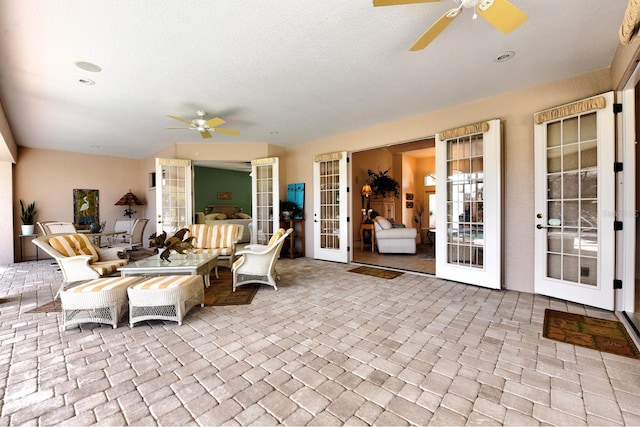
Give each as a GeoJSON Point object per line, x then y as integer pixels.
{"type": "Point", "coordinates": [129, 200]}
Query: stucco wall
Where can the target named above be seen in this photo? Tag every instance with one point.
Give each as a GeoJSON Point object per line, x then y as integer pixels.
{"type": "Point", "coordinates": [516, 109]}
{"type": "Point", "coordinates": [48, 177]}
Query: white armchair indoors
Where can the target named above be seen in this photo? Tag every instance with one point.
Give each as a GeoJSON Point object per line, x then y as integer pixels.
{"type": "Point", "coordinates": [390, 239]}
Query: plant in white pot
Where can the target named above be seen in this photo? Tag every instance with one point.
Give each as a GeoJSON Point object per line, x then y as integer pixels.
{"type": "Point", "coordinates": [28, 216]}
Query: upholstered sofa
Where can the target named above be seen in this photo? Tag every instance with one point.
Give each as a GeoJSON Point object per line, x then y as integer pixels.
{"type": "Point", "coordinates": [393, 239]}
{"type": "Point", "coordinates": [239, 218]}
{"type": "Point", "coordinates": [219, 239]}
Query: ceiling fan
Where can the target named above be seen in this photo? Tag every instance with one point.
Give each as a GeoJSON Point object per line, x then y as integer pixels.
{"type": "Point", "coordinates": [499, 13]}
{"type": "Point", "coordinates": [205, 127]}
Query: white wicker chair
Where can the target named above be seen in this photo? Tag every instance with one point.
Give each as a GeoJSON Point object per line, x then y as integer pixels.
{"type": "Point", "coordinates": [258, 265]}
{"type": "Point", "coordinates": [82, 260]}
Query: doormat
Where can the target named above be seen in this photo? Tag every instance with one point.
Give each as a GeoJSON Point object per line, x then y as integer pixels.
{"type": "Point", "coordinates": [377, 272]}
{"type": "Point", "coordinates": [598, 334]}
{"type": "Point", "coordinates": [218, 294]}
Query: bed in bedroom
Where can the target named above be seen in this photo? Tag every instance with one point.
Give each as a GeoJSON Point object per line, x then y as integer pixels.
{"type": "Point", "coordinates": [226, 214]}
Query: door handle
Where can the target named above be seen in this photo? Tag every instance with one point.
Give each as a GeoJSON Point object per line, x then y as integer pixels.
{"type": "Point", "coordinates": [540, 226]}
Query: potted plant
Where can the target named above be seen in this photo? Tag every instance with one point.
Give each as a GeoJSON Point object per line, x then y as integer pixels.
{"type": "Point", "coordinates": [289, 209]}
{"type": "Point", "coordinates": [28, 216]}
{"type": "Point", "coordinates": [382, 184]}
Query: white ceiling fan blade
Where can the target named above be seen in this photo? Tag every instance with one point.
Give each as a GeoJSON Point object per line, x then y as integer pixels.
{"type": "Point", "coordinates": [435, 29]}
{"type": "Point", "coordinates": [501, 14]}
{"type": "Point", "coordinates": [181, 128]}
{"type": "Point", "coordinates": [216, 121]}
{"type": "Point", "coordinates": [228, 131]}
{"type": "Point", "coordinates": [399, 2]}
{"type": "Point", "coordinates": [205, 134]}
{"type": "Point", "coordinates": [180, 119]}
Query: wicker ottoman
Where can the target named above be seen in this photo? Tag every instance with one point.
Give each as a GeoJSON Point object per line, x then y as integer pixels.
{"type": "Point", "coordinates": [101, 300]}
{"type": "Point", "coordinates": [165, 298]}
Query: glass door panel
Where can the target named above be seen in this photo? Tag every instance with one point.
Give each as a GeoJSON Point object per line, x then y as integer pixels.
{"type": "Point", "coordinates": [574, 246]}
{"type": "Point", "coordinates": [266, 199]}
{"type": "Point", "coordinates": [173, 194]}
{"type": "Point", "coordinates": [330, 208]}
{"type": "Point", "coordinates": [470, 232]}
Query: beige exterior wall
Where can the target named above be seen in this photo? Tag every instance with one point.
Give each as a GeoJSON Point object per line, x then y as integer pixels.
{"type": "Point", "coordinates": [49, 178]}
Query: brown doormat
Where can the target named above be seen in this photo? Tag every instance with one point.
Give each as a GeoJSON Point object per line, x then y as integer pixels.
{"type": "Point", "coordinates": [377, 272]}
{"type": "Point", "coordinates": [219, 293]}
{"type": "Point", "coordinates": [598, 334]}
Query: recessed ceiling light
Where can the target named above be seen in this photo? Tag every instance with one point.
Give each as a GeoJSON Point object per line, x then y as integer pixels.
{"type": "Point", "coordinates": [87, 82]}
{"type": "Point", "coordinates": [88, 66]}
{"type": "Point", "coordinates": [505, 56]}
{"type": "Point", "coordinates": [273, 132]}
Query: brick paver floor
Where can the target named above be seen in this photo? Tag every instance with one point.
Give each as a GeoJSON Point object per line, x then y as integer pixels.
{"type": "Point", "coordinates": [328, 348]}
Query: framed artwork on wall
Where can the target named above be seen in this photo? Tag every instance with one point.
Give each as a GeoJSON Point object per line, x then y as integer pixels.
{"type": "Point", "coordinates": [85, 208]}
{"type": "Point", "coordinates": [409, 196]}
{"type": "Point", "coordinates": [409, 205]}
{"type": "Point", "coordinates": [225, 195]}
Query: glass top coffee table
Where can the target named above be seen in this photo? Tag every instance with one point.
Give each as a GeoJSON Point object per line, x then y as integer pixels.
{"type": "Point", "coordinates": [193, 264]}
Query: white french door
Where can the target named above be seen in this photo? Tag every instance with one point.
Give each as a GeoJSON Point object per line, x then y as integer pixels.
{"type": "Point", "coordinates": [468, 234]}
{"type": "Point", "coordinates": [174, 206]}
{"type": "Point", "coordinates": [265, 184]}
{"type": "Point", "coordinates": [331, 207]}
{"type": "Point", "coordinates": [575, 202]}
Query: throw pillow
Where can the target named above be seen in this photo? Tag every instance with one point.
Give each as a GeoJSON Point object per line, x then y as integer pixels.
{"type": "Point", "coordinates": [211, 217]}
{"type": "Point", "coordinates": [384, 223]}
{"type": "Point", "coordinates": [243, 215]}
{"type": "Point", "coordinates": [74, 244]}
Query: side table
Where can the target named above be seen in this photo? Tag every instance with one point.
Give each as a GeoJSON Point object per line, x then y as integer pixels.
{"type": "Point", "coordinates": [369, 227]}
{"type": "Point", "coordinates": [33, 236]}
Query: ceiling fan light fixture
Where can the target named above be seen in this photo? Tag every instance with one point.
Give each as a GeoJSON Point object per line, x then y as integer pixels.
{"type": "Point", "coordinates": [505, 56]}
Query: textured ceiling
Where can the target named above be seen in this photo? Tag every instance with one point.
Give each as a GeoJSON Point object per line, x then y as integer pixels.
{"type": "Point", "coordinates": [304, 69]}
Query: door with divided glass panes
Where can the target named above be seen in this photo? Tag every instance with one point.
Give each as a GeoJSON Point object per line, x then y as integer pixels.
{"type": "Point", "coordinates": [331, 207]}
{"type": "Point", "coordinates": [468, 232]}
{"type": "Point", "coordinates": [574, 202]}
{"type": "Point", "coordinates": [174, 206]}
{"type": "Point", "coordinates": [265, 199]}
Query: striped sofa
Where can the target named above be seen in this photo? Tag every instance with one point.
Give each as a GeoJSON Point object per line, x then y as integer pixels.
{"type": "Point", "coordinates": [219, 239]}
{"type": "Point", "coordinates": [78, 258]}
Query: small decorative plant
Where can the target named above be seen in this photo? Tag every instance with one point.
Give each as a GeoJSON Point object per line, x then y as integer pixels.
{"type": "Point", "coordinates": [291, 208]}
{"type": "Point", "coordinates": [28, 213]}
{"type": "Point", "coordinates": [383, 184]}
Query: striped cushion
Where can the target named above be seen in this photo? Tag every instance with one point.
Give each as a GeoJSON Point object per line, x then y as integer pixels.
{"type": "Point", "coordinates": [278, 234]}
{"type": "Point", "coordinates": [214, 251]}
{"type": "Point", "coordinates": [107, 267]}
{"type": "Point", "coordinates": [164, 282]}
{"type": "Point", "coordinates": [73, 245]}
{"type": "Point", "coordinates": [104, 284]}
{"type": "Point", "coordinates": [214, 236]}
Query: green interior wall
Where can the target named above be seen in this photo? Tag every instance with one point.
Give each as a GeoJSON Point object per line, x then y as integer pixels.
{"type": "Point", "coordinates": [208, 182]}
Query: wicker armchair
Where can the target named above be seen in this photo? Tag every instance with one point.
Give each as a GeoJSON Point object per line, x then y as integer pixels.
{"type": "Point", "coordinates": [78, 258]}
{"type": "Point", "coordinates": [258, 265]}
